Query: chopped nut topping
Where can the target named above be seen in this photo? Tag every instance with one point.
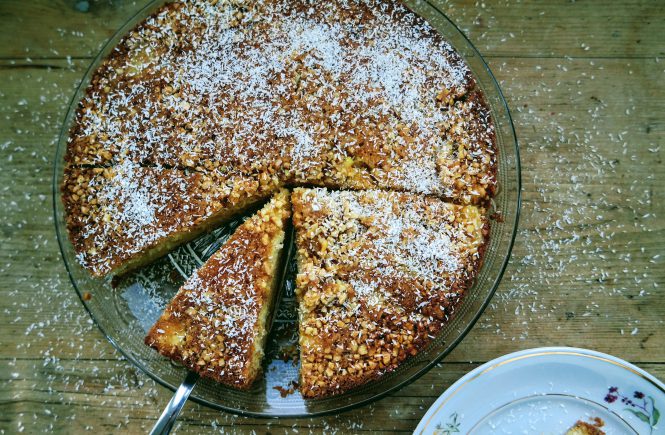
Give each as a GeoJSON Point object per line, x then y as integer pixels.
{"type": "Point", "coordinates": [349, 94]}
{"type": "Point", "coordinates": [394, 267]}
{"type": "Point", "coordinates": [208, 107]}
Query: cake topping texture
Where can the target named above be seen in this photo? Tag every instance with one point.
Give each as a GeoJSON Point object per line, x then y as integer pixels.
{"type": "Point", "coordinates": [347, 94]}
{"type": "Point", "coordinates": [378, 276]}
{"type": "Point", "coordinates": [218, 322]}
{"type": "Point", "coordinates": [127, 215]}
{"type": "Point", "coordinates": [209, 107]}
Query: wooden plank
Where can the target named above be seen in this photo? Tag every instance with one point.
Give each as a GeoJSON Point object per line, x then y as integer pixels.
{"type": "Point", "coordinates": [47, 28]}
{"type": "Point", "coordinates": [81, 393]}
{"type": "Point", "coordinates": [561, 28]}
{"type": "Point", "coordinates": [108, 395]}
{"type": "Point", "coordinates": [590, 237]}
{"type": "Point", "coordinates": [57, 29]}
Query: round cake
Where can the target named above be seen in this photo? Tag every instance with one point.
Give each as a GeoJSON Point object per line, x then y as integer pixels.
{"type": "Point", "coordinates": [208, 108]}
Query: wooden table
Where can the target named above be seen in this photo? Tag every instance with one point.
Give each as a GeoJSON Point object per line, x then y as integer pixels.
{"type": "Point", "coordinates": [586, 85]}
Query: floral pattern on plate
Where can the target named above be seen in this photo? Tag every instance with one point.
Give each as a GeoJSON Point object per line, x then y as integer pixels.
{"type": "Point", "coordinates": [640, 405]}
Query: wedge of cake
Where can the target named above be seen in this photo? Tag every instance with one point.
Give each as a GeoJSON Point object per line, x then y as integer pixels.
{"type": "Point", "coordinates": [584, 428]}
{"type": "Point", "coordinates": [217, 323]}
{"type": "Point", "coordinates": [125, 216]}
{"type": "Point", "coordinates": [379, 274]}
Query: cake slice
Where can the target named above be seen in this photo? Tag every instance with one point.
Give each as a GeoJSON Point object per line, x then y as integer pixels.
{"type": "Point", "coordinates": [379, 274]}
{"type": "Point", "coordinates": [125, 216]}
{"type": "Point", "coordinates": [217, 323]}
{"type": "Point", "coordinates": [584, 428]}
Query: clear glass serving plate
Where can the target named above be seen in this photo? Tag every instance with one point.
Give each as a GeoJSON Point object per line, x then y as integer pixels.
{"type": "Point", "coordinates": [124, 310]}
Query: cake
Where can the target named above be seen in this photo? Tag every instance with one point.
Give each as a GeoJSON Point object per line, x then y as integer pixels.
{"type": "Point", "coordinates": [207, 108]}
{"type": "Point", "coordinates": [584, 428]}
{"type": "Point", "coordinates": [124, 216]}
{"type": "Point", "coordinates": [379, 274]}
{"type": "Point", "coordinates": [348, 94]}
{"type": "Point", "coordinates": [217, 323]}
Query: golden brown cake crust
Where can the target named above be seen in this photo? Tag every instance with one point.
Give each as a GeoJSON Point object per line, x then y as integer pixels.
{"type": "Point", "coordinates": [348, 94]}
{"type": "Point", "coordinates": [122, 216]}
{"type": "Point", "coordinates": [379, 274]}
{"type": "Point", "coordinates": [210, 106]}
{"type": "Point", "coordinates": [216, 324]}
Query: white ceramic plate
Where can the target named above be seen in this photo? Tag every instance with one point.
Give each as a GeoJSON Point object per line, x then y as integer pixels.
{"type": "Point", "coordinates": [546, 391]}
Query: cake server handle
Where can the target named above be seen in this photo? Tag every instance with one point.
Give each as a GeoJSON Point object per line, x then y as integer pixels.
{"type": "Point", "coordinates": [172, 410]}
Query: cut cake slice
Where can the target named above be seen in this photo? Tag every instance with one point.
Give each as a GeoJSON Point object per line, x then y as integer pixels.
{"type": "Point", "coordinates": [379, 274]}
{"type": "Point", "coordinates": [125, 216]}
{"type": "Point", "coordinates": [217, 323]}
{"type": "Point", "coordinates": [584, 428]}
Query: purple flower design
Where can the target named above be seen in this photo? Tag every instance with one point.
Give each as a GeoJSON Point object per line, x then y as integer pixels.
{"type": "Point", "coordinates": [643, 409]}
{"type": "Point", "coordinates": [610, 398]}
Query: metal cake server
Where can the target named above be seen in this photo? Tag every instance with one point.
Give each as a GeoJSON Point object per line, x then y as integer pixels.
{"type": "Point", "coordinates": [167, 419]}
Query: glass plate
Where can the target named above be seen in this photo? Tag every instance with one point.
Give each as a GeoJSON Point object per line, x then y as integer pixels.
{"type": "Point", "coordinates": [124, 310]}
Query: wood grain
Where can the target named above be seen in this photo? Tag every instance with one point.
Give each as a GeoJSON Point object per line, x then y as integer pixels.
{"type": "Point", "coordinates": [560, 28]}
{"type": "Point", "coordinates": [588, 268]}
{"type": "Point", "coordinates": [109, 397]}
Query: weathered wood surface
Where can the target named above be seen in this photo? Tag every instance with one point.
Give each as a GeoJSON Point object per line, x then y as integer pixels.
{"type": "Point", "coordinates": [586, 86]}
{"type": "Point", "coordinates": [506, 28]}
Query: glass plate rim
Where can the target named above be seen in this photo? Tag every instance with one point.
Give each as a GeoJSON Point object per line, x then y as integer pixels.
{"type": "Point", "coordinates": [94, 63]}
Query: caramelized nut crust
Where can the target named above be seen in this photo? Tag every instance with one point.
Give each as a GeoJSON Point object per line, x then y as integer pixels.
{"type": "Point", "coordinates": [379, 274]}
{"type": "Point", "coordinates": [210, 106]}
{"type": "Point", "coordinates": [348, 94]}
{"type": "Point", "coordinates": [124, 216]}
